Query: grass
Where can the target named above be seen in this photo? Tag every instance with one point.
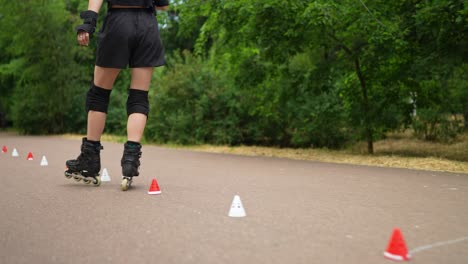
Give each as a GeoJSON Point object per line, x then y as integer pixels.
{"type": "Point", "coordinates": [404, 144]}
{"type": "Point", "coordinates": [104, 137]}
{"type": "Point", "coordinates": [421, 163]}
{"type": "Point", "coordinates": [398, 150]}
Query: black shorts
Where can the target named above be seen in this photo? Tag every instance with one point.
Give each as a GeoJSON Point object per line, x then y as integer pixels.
{"type": "Point", "coordinates": [129, 37]}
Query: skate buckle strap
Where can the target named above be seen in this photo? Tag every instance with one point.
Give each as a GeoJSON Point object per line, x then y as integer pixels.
{"type": "Point", "coordinates": [132, 153]}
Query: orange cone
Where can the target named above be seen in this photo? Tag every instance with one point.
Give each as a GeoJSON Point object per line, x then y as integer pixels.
{"type": "Point", "coordinates": [154, 188]}
{"type": "Point", "coordinates": [4, 149]}
{"type": "Point", "coordinates": [396, 249]}
{"type": "Point", "coordinates": [30, 156]}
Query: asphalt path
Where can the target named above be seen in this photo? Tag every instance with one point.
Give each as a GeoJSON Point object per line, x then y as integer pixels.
{"type": "Point", "coordinates": [297, 211]}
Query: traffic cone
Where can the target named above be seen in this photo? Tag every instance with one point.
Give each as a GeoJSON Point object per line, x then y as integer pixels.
{"type": "Point", "coordinates": [237, 210]}
{"type": "Point", "coordinates": [44, 161]}
{"type": "Point", "coordinates": [30, 156]}
{"type": "Point", "coordinates": [4, 149]}
{"type": "Point", "coordinates": [396, 249]}
{"type": "Point", "coordinates": [14, 153]}
{"type": "Point", "coordinates": [154, 188]}
{"type": "Point", "coordinates": [105, 176]}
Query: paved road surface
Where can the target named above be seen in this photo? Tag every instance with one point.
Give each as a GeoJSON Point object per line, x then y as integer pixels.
{"type": "Point", "coordinates": [297, 211]}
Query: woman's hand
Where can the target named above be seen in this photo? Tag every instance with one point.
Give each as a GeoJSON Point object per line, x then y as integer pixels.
{"type": "Point", "coordinates": [83, 38]}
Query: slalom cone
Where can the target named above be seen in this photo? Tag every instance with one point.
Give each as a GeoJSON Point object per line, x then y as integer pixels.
{"type": "Point", "coordinates": [105, 176]}
{"type": "Point", "coordinates": [30, 156]}
{"type": "Point", "coordinates": [14, 153]}
{"type": "Point", "coordinates": [396, 249]}
{"type": "Point", "coordinates": [44, 161]}
{"type": "Point", "coordinates": [154, 188]}
{"type": "Point", "coordinates": [237, 210]}
{"type": "Point", "coordinates": [4, 149]}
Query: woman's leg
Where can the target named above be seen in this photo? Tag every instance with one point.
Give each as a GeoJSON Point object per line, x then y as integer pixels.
{"type": "Point", "coordinates": [141, 80]}
{"type": "Point", "coordinates": [103, 78]}
{"type": "Point", "coordinates": [88, 163]}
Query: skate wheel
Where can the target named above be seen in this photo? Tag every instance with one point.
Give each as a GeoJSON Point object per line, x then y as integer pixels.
{"type": "Point", "coordinates": [86, 181]}
{"type": "Point", "coordinates": [68, 175]}
{"type": "Point", "coordinates": [126, 184]}
{"type": "Point", "coordinates": [97, 181]}
{"type": "Point", "coordinates": [77, 178]}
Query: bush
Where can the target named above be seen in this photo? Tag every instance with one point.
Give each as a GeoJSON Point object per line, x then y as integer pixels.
{"type": "Point", "coordinates": [193, 105]}
{"type": "Point", "coordinates": [432, 125]}
{"type": "Point", "coordinates": [319, 122]}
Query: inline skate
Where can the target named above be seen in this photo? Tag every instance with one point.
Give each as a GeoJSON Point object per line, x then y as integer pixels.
{"type": "Point", "coordinates": [88, 164]}
{"type": "Point", "coordinates": [130, 163]}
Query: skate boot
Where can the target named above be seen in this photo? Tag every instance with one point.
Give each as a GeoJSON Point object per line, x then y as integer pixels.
{"type": "Point", "coordinates": [130, 163]}
{"type": "Point", "coordinates": [88, 164]}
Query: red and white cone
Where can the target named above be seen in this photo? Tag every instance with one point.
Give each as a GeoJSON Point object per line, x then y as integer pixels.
{"type": "Point", "coordinates": [154, 188]}
{"type": "Point", "coordinates": [4, 149]}
{"type": "Point", "coordinates": [30, 156]}
{"type": "Point", "coordinates": [396, 249]}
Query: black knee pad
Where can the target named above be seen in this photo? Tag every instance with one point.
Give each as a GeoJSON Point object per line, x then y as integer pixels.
{"type": "Point", "coordinates": [137, 102]}
{"type": "Point", "coordinates": [97, 99]}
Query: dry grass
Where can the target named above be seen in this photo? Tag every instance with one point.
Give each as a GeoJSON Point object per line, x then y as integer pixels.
{"type": "Point", "coordinates": [398, 150]}
{"type": "Point", "coordinates": [403, 144]}
{"type": "Point", "coordinates": [105, 137]}
{"type": "Point", "coordinates": [421, 163]}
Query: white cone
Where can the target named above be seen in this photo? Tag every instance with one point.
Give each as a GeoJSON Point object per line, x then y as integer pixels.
{"type": "Point", "coordinates": [105, 176]}
{"type": "Point", "coordinates": [14, 153]}
{"type": "Point", "coordinates": [237, 210]}
{"type": "Point", "coordinates": [44, 161]}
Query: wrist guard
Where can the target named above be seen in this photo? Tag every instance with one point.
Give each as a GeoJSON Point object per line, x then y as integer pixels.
{"type": "Point", "coordinates": [89, 22]}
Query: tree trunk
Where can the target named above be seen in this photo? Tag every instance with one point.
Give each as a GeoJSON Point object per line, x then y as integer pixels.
{"type": "Point", "coordinates": [465, 117]}
{"type": "Point", "coordinates": [365, 104]}
{"type": "Point", "coordinates": [365, 99]}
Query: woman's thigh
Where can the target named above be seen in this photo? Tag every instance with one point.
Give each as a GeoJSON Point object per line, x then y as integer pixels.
{"type": "Point", "coordinates": [141, 78]}
{"type": "Point", "coordinates": [105, 77]}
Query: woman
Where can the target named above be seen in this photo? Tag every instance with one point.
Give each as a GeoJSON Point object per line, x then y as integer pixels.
{"type": "Point", "coordinates": [129, 37]}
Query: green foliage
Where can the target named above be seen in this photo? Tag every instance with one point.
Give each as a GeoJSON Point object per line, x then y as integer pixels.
{"type": "Point", "coordinates": [287, 73]}
{"type": "Point", "coordinates": [431, 124]}
{"type": "Point", "coordinates": [41, 66]}
{"type": "Point", "coordinates": [116, 121]}
{"type": "Point", "coordinates": [192, 105]}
